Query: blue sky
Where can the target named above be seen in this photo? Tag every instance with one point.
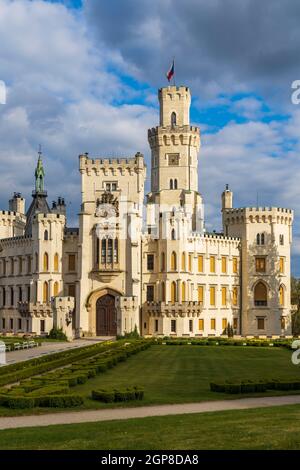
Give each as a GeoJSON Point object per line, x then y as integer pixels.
{"type": "Point", "coordinates": [83, 76]}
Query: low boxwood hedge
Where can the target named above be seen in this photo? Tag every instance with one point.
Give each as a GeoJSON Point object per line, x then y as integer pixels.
{"type": "Point", "coordinates": [260, 386]}
{"type": "Point", "coordinates": [109, 396]}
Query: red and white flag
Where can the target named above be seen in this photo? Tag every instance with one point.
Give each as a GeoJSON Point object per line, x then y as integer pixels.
{"type": "Point", "coordinates": [171, 71]}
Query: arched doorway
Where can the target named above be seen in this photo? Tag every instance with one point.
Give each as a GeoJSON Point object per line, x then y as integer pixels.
{"type": "Point", "coordinates": [106, 316]}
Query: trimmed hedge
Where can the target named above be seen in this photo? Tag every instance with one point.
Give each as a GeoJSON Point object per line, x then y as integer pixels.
{"type": "Point", "coordinates": [249, 386]}
{"type": "Point", "coordinates": [109, 396]}
{"type": "Point", "coordinates": [56, 384]}
{"type": "Point", "coordinates": [215, 341]}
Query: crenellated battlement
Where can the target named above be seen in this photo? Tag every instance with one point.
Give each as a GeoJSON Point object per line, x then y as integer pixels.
{"type": "Point", "coordinates": [176, 135]}
{"type": "Point", "coordinates": [121, 165]}
{"type": "Point", "coordinates": [54, 218]}
{"type": "Point", "coordinates": [278, 215]}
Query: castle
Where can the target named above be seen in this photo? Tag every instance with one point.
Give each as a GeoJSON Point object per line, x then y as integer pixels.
{"type": "Point", "coordinates": [157, 269]}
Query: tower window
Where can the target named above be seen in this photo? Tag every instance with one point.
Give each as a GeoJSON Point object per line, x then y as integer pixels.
{"type": "Point", "coordinates": [46, 235]}
{"type": "Point", "coordinates": [171, 184]}
{"type": "Point", "coordinates": [150, 262]}
{"type": "Point", "coordinates": [260, 295]}
{"type": "Point", "coordinates": [150, 293]}
{"type": "Point", "coordinates": [173, 159]}
{"type": "Point", "coordinates": [173, 235]}
{"type": "Point", "coordinates": [71, 263]}
{"type": "Point", "coordinates": [175, 184]}
{"type": "Point", "coordinates": [173, 119]}
{"type": "Point", "coordinates": [281, 239]}
{"type": "Point", "coordinates": [260, 265]}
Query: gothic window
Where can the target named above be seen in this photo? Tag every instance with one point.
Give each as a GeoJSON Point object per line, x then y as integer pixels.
{"type": "Point", "coordinates": [162, 262]}
{"type": "Point", "coordinates": [46, 262]}
{"type": "Point", "coordinates": [46, 235]}
{"type": "Point", "coordinates": [55, 289]}
{"type": "Point", "coordinates": [173, 292]}
{"type": "Point", "coordinates": [175, 184]}
{"type": "Point", "coordinates": [260, 295]}
{"type": "Point", "coordinates": [173, 261]}
{"type": "Point", "coordinates": [281, 239]}
{"type": "Point", "coordinates": [171, 184]}
{"type": "Point", "coordinates": [173, 234]}
{"type": "Point", "coordinates": [45, 292]}
{"type": "Point", "coordinates": [260, 264]}
{"type": "Point", "coordinates": [183, 261]}
{"type": "Point", "coordinates": [20, 294]}
{"type": "Point", "coordinates": [173, 119]}
{"type": "Point", "coordinates": [150, 262]}
{"type": "Point", "coordinates": [11, 296]}
{"type": "Point", "coordinates": [281, 296]}
{"type": "Point", "coordinates": [56, 259]}
{"type": "Point", "coordinates": [163, 292]}
{"type": "Point", "coordinates": [258, 239]}
{"type": "Point", "coordinates": [109, 251]}
{"type": "Point", "coordinates": [183, 292]}
{"type": "Point", "coordinates": [262, 239]}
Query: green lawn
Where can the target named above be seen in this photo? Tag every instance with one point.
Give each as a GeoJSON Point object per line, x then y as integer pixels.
{"type": "Point", "coordinates": [269, 428]}
{"type": "Point", "coordinates": [181, 374]}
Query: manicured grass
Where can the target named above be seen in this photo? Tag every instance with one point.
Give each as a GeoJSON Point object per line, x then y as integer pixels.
{"type": "Point", "coordinates": [178, 374]}
{"type": "Point", "coordinates": [182, 374]}
{"type": "Point", "coordinates": [268, 428]}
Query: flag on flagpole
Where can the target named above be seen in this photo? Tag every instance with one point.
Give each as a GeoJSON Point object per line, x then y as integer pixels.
{"type": "Point", "coordinates": [171, 71]}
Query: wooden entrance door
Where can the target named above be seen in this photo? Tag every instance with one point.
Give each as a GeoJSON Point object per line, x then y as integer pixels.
{"type": "Point", "coordinates": [106, 316]}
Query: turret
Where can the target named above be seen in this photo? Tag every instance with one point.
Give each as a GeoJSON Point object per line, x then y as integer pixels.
{"type": "Point", "coordinates": [227, 202]}
{"type": "Point", "coordinates": [17, 203]}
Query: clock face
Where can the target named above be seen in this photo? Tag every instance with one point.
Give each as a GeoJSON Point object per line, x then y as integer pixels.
{"type": "Point", "coordinates": [173, 159]}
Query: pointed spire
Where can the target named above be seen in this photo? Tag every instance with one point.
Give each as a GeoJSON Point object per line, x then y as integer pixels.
{"type": "Point", "coordinates": [39, 173]}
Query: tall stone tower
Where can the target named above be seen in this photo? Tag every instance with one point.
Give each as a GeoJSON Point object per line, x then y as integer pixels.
{"type": "Point", "coordinates": [174, 155]}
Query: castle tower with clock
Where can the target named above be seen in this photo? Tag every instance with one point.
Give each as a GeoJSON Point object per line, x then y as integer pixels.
{"type": "Point", "coordinates": [145, 264]}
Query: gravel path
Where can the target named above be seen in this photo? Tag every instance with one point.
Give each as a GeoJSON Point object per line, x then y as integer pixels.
{"type": "Point", "coordinates": [144, 411]}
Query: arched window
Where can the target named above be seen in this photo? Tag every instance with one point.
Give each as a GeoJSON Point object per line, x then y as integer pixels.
{"type": "Point", "coordinates": [55, 289]}
{"type": "Point", "coordinates": [258, 239]}
{"type": "Point", "coordinates": [103, 251]}
{"type": "Point", "coordinates": [12, 266]}
{"type": "Point", "coordinates": [46, 262]}
{"type": "Point", "coordinates": [173, 292]}
{"type": "Point", "coordinates": [183, 261]}
{"type": "Point", "coordinates": [173, 261]}
{"type": "Point", "coordinates": [162, 262]}
{"type": "Point", "coordinates": [116, 250]}
{"type": "Point", "coordinates": [175, 184]}
{"type": "Point", "coordinates": [11, 296]}
{"type": "Point", "coordinates": [183, 292]}
{"type": "Point", "coordinates": [45, 292]}
{"type": "Point", "coordinates": [173, 119]}
{"type": "Point", "coordinates": [173, 234]}
{"type": "Point", "coordinates": [171, 184]}
{"type": "Point", "coordinates": [46, 235]}
{"type": "Point", "coordinates": [109, 251]}
{"type": "Point", "coordinates": [36, 262]}
{"type": "Point", "coordinates": [56, 259]}
{"type": "Point", "coordinates": [281, 296]}
{"type": "Point", "coordinates": [260, 295]}
{"type": "Point", "coordinates": [20, 294]}
{"type": "Point", "coordinates": [262, 239]}
{"type": "Point", "coordinates": [163, 292]}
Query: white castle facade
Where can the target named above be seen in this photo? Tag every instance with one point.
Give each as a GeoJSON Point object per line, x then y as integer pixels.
{"type": "Point", "coordinates": [157, 269]}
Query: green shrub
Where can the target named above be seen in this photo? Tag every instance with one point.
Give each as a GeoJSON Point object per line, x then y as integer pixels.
{"type": "Point", "coordinates": [103, 395]}
{"type": "Point", "coordinates": [57, 333]}
{"type": "Point", "coordinates": [20, 402]}
{"type": "Point", "coordinates": [248, 387]}
{"type": "Point", "coordinates": [232, 388]}
{"type": "Point", "coordinates": [60, 401]}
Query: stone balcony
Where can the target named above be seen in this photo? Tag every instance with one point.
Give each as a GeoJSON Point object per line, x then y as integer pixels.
{"type": "Point", "coordinates": [35, 309]}
{"type": "Point", "coordinates": [173, 309]}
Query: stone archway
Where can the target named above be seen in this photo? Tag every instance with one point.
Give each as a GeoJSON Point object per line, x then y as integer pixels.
{"type": "Point", "coordinates": [94, 304]}
{"type": "Point", "coordinates": [106, 316]}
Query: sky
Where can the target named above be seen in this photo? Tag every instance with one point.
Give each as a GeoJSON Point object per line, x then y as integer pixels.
{"type": "Point", "coordinates": [82, 76]}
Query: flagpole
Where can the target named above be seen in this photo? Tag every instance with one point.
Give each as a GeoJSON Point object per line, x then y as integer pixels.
{"type": "Point", "coordinates": [174, 71]}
